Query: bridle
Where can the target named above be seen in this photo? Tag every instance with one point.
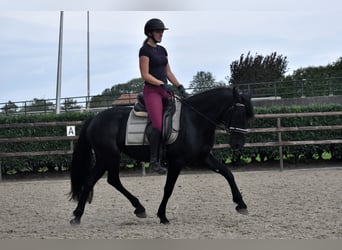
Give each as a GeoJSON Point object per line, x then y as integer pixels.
{"type": "Point", "coordinates": [227, 124]}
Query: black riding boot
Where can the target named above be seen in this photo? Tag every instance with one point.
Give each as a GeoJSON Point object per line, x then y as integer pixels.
{"type": "Point", "coordinates": [155, 164]}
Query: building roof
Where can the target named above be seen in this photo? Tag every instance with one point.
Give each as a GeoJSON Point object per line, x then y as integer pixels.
{"type": "Point", "coordinates": [126, 99]}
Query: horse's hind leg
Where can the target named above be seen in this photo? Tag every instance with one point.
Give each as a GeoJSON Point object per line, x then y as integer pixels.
{"type": "Point", "coordinates": [96, 174]}
{"type": "Point", "coordinates": [218, 167]}
{"type": "Point", "coordinates": [114, 180]}
{"type": "Point", "coordinates": [171, 179]}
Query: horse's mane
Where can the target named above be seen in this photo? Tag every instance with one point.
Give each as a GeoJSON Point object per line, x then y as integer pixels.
{"type": "Point", "coordinates": [208, 93]}
{"type": "Point", "coordinates": [239, 97]}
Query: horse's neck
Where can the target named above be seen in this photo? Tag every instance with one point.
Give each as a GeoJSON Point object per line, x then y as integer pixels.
{"type": "Point", "coordinates": [212, 106]}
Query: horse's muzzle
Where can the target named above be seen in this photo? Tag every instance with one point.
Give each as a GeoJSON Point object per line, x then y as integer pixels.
{"type": "Point", "coordinates": [237, 141]}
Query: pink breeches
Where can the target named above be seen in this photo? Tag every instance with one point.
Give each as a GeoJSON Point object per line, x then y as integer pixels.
{"type": "Point", "coordinates": [153, 97]}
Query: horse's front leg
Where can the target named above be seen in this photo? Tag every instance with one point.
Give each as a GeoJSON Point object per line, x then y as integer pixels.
{"type": "Point", "coordinates": [214, 165]}
{"type": "Point", "coordinates": [114, 180]}
{"type": "Point", "coordinates": [172, 175]}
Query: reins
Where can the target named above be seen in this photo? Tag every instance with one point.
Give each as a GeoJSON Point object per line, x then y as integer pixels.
{"type": "Point", "coordinates": [182, 100]}
{"type": "Point", "coordinates": [228, 128]}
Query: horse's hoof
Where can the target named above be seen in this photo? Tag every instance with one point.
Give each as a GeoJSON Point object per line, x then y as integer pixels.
{"type": "Point", "coordinates": [164, 221]}
{"type": "Point", "coordinates": [140, 212]}
{"type": "Point", "coordinates": [243, 211]}
{"type": "Point", "coordinates": [141, 215]}
{"type": "Point", "coordinates": [75, 221]}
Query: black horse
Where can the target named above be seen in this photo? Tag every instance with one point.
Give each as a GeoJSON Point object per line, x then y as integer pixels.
{"type": "Point", "coordinates": [102, 139]}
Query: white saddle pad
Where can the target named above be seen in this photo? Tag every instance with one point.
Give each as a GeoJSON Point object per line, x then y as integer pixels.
{"type": "Point", "coordinates": [136, 126]}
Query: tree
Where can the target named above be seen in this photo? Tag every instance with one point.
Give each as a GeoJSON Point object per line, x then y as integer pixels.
{"type": "Point", "coordinates": [39, 105]}
{"type": "Point", "coordinates": [9, 107]}
{"type": "Point", "coordinates": [101, 101]}
{"type": "Point", "coordinates": [258, 69]}
{"type": "Point", "coordinates": [69, 103]}
{"type": "Point", "coordinates": [319, 80]}
{"type": "Point", "coordinates": [203, 80]}
{"type": "Point", "coordinates": [133, 86]}
{"type": "Point", "coordinates": [110, 94]}
{"type": "Point", "coordinates": [331, 70]}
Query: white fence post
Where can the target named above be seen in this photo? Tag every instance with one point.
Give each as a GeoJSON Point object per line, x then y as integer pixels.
{"type": "Point", "coordinates": [143, 168]}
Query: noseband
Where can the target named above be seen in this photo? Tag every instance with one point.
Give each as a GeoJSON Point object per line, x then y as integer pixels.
{"type": "Point", "coordinates": [230, 129]}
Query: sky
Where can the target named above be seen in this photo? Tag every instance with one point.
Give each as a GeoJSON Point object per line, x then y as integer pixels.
{"type": "Point", "coordinates": [203, 36]}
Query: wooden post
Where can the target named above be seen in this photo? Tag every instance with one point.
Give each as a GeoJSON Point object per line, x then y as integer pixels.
{"type": "Point", "coordinates": [0, 172]}
{"type": "Point", "coordinates": [280, 146]}
{"type": "Point", "coordinates": [71, 145]}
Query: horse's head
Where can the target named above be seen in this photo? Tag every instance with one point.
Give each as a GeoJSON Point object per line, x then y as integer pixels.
{"type": "Point", "coordinates": [226, 106]}
{"type": "Point", "coordinates": [236, 119]}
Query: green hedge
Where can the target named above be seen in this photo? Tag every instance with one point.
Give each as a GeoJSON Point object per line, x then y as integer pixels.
{"type": "Point", "coordinates": [247, 155]}
{"type": "Point", "coordinates": [13, 165]}
{"type": "Point", "coordinates": [291, 154]}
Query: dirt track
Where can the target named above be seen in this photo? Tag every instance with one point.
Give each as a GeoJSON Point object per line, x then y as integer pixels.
{"type": "Point", "coordinates": [293, 204]}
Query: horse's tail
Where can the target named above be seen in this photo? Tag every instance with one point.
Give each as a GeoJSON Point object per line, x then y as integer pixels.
{"type": "Point", "coordinates": [81, 164]}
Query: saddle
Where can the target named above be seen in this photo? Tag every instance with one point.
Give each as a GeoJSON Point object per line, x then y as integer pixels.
{"type": "Point", "coordinates": [138, 122]}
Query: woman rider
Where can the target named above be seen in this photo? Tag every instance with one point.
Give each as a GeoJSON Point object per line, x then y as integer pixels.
{"type": "Point", "coordinates": [156, 71]}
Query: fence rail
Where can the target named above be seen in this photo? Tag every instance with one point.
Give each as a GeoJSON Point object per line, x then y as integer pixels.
{"type": "Point", "coordinates": [35, 139]}
{"type": "Point", "coordinates": [40, 124]}
{"type": "Point", "coordinates": [278, 129]}
{"type": "Point", "coordinates": [18, 154]}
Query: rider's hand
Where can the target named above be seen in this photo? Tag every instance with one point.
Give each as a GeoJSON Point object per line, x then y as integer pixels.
{"type": "Point", "coordinates": [182, 91]}
{"type": "Point", "coordinates": [167, 88]}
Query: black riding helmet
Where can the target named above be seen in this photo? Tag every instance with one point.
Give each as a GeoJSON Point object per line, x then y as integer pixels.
{"type": "Point", "coordinates": [154, 24]}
